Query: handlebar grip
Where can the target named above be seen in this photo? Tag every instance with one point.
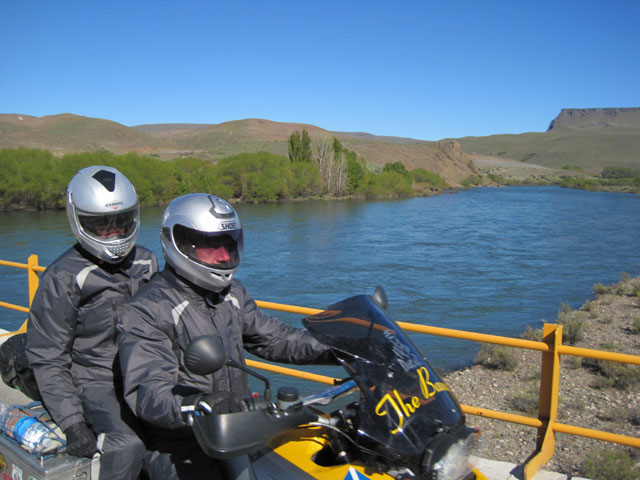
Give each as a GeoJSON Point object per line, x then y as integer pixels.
{"type": "Point", "coordinates": [253, 403]}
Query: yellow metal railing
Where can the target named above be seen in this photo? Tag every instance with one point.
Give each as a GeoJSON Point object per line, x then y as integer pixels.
{"type": "Point", "coordinates": [551, 347]}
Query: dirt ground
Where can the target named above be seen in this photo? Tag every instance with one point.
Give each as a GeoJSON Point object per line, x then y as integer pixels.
{"type": "Point", "coordinates": [515, 170]}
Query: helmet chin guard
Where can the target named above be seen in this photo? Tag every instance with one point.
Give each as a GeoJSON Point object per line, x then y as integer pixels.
{"type": "Point", "coordinates": [202, 240]}
{"type": "Point", "coordinates": [103, 212]}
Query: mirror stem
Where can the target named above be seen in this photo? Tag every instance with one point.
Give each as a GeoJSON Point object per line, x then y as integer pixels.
{"type": "Point", "coordinates": [267, 387]}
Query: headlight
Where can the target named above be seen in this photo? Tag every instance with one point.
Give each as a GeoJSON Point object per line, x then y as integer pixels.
{"type": "Point", "coordinates": [448, 455]}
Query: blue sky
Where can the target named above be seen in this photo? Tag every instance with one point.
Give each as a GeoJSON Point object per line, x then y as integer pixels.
{"type": "Point", "coordinates": [426, 69]}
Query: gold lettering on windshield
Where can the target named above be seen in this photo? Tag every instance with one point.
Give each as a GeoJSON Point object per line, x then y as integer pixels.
{"type": "Point", "coordinates": [427, 387]}
{"type": "Point", "coordinates": [405, 407]}
{"type": "Point", "coordinates": [382, 410]}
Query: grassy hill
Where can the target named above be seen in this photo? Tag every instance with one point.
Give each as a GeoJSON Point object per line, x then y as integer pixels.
{"type": "Point", "coordinates": [252, 135]}
{"type": "Point", "coordinates": [69, 133]}
{"type": "Point", "coordinates": [66, 133]}
{"type": "Point", "coordinates": [588, 138]}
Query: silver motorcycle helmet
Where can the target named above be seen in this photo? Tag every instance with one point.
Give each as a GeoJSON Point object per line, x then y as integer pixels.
{"type": "Point", "coordinates": [202, 240]}
{"type": "Point", "coordinates": [104, 213]}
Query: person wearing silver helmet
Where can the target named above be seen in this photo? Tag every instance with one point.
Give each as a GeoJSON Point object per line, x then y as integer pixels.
{"type": "Point", "coordinates": [70, 339]}
{"type": "Point", "coordinates": [197, 294]}
{"type": "Point", "coordinates": [103, 211]}
{"type": "Point", "coordinates": [202, 240]}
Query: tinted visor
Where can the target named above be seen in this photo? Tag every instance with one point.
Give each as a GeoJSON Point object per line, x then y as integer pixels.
{"type": "Point", "coordinates": [114, 226]}
{"type": "Point", "coordinates": [213, 249]}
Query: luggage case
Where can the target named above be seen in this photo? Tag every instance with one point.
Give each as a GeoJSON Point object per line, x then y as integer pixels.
{"type": "Point", "coordinates": [17, 463]}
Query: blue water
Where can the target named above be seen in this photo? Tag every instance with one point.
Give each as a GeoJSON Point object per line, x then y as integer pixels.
{"type": "Point", "coordinates": [486, 260]}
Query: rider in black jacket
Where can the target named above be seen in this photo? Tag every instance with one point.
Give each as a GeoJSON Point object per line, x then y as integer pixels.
{"type": "Point", "coordinates": [197, 295]}
{"type": "Point", "coordinates": [71, 336]}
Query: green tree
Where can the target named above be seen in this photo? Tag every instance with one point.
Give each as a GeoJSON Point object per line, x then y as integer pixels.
{"type": "Point", "coordinates": [305, 180]}
{"type": "Point", "coordinates": [397, 167]}
{"type": "Point", "coordinates": [256, 177]}
{"type": "Point", "coordinates": [305, 147]}
{"type": "Point", "coordinates": [356, 173]}
{"type": "Point", "coordinates": [300, 147]}
{"type": "Point", "coordinates": [337, 146]}
{"type": "Point", "coordinates": [389, 184]}
{"type": "Point", "coordinates": [295, 146]}
{"type": "Point", "coordinates": [422, 175]}
{"type": "Point", "coordinates": [619, 172]}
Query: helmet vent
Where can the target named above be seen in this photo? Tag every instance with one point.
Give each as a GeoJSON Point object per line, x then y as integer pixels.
{"type": "Point", "coordinates": [221, 208]}
{"type": "Point", "coordinates": [107, 179]}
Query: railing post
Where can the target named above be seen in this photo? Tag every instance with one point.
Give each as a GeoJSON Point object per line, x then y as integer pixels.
{"type": "Point", "coordinates": [33, 277]}
{"type": "Point", "coordinates": [548, 400]}
{"type": "Point", "coordinates": [34, 281]}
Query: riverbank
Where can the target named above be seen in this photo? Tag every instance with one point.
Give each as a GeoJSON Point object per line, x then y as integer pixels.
{"type": "Point", "coordinates": [603, 397]}
{"type": "Point", "coordinates": [505, 172]}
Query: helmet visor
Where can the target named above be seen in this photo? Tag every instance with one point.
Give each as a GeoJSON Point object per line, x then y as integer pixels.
{"type": "Point", "coordinates": [114, 226]}
{"type": "Point", "coordinates": [212, 249]}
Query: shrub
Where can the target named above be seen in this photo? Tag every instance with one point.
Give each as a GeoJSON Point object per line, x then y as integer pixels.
{"type": "Point", "coordinates": [577, 405]}
{"type": "Point", "coordinates": [397, 167]}
{"type": "Point", "coordinates": [620, 289]}
{"type": "Point", "coordinates": [256, 177]}
{"type": "Point", "coordinates": [422, 175]}
{"type": "Point", "coordinates": [580, 183]}
{"type": "Point", "coordinates": [497, 357]}
{"type": "Point", "coordinates": [572, 363]}
{"type": "Point", "coordinates": [600, 289]}
{"type": "Point", "coordinates": [619, 172]}
{"type": "Point", "coordinates": [620, 416]}
{"type": "Point", "coordinates": [573, 168]}
{"type": "Point", "coordinates": [531, 334]}
{"type": "Point", "coordinates": [604, 464]}
{"type": "Point", "coordinates": [472, 180]}
{"type": "Point", "coordinates": [565, 308]}
{"type": "Point", "coordinates": [635, 325]}
{"type": "Point", "coordinates": [497, 178]}
{"type": "Point", "coordinates": [592, 308]}
{"type": "Point", "coordinates": [572, 325]}
{"type": "Point", "coordinates": [610, 346]}
{"type": "Point", "coordinates": [572, 330]}
{"type": "Point", "coordinates": [525, 401]}
{"type": "Point", "coordinates": [613, 374]}
{"type": "Point", "coordinates": [390, 184]}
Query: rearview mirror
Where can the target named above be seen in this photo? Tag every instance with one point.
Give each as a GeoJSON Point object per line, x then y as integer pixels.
{"type": "Point", "coordinates": [205, 355]}
{"type": "Point", "coordinates": [380, 298]}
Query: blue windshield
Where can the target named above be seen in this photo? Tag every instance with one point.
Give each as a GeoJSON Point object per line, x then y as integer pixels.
{"type": "Point", "coordinates": [403, 400]}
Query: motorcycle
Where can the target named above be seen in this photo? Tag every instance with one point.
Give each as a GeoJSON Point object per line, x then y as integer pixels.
{"type": "Point", "coordinates": [405, 424]}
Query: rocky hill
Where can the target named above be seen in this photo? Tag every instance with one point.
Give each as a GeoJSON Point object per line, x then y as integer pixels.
{"type": "Point", "coordinates": [596, 118]}
{"type": "Point", "coordinates": [67, 133]}
{"type": "Point", "coordinates": [590, 139]}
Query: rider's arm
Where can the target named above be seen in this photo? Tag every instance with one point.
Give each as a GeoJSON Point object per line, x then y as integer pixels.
{"type": "Point", "coordinates": [270, 338]}
{"type": "Point", "coordinates": [149, 367]}
{"type": "Point", "coordinates": [50, 334]}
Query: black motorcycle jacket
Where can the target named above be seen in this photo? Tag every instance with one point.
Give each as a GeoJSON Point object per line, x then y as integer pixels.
{"type": "Point", "coordinates": [71, 332]}
{"type": "Point", "coordinates": [157, 325]}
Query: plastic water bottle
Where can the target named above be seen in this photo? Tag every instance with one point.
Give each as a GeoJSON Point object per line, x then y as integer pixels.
{"type": "Point", "coordinates": [26, 430]}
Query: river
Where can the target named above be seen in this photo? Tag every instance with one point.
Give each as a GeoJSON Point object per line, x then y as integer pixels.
{"type": "Point", "coordinates": [490, 260]}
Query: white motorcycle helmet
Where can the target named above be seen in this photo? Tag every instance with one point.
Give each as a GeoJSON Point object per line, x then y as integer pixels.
{"type": "Point", "coordinates": [202, 240]}
{"type": "Point", "coordinates": [103, 212]}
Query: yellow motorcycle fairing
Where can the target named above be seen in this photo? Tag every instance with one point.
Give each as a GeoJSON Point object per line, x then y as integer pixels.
{"type": "Point", "coordinates": [301, 446]}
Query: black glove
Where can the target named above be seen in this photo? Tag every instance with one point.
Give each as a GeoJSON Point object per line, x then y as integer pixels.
{"type": "Point", "coordinates": [210, 404]}
{"type": "Point", "coordinates": [81, 442]}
